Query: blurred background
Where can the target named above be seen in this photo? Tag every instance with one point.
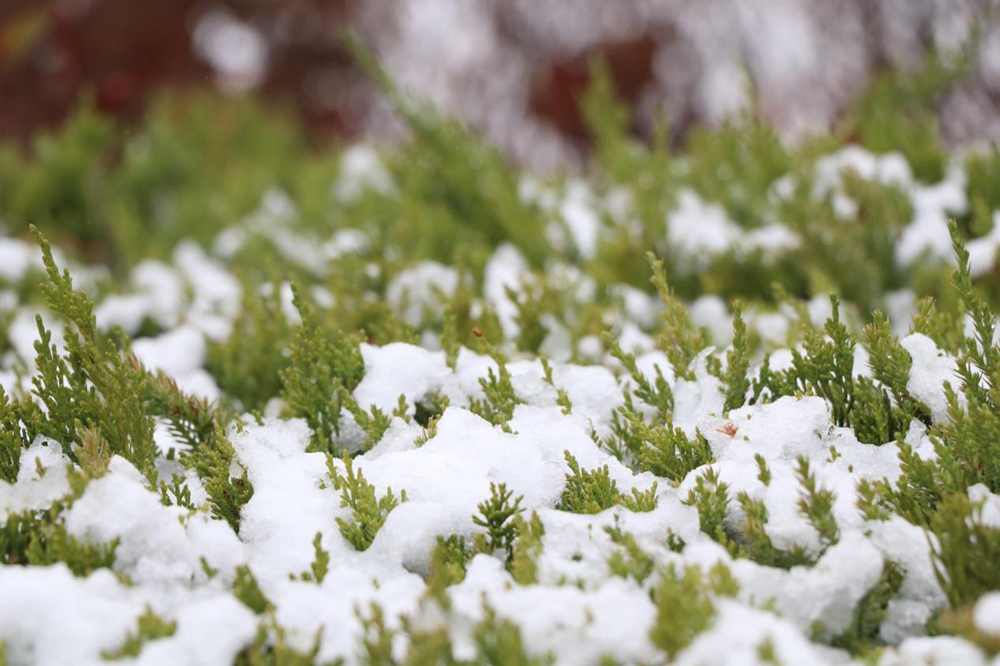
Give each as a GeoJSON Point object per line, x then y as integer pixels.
{"type": "Point", "coordinates": [512, 69]}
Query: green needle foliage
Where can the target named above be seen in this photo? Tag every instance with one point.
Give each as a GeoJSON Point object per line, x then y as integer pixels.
{"type": "Point", "coordinates": [640, 501]}
{"type": "Point", "coordinates": [247, 590]}
{"type": "Point", "coordinates": [498, 642]}
{"type": "Point", "coordinates": [15, 414]}
{"type": "Point", "coordinates": [816, 504]}
{"type": "Point", "coordinates": [646, 173]}
{"type": "Point", "coordinates": [374, 422]}
{"type": "Point", "coordinates": [763, 471]}
{"type": "Point", "coordinates": [863, 631]}
{"type": "Point", "coordinates": [897, 112]}
{"type": "Point", "coordinates": [826, 367]}
{"type": "Point", "coordinates": [946, 329]}
{"type": "Point", "coordinates": [878, 412]}
{"type": "Point", "coordinates": [93, 385]}
{"type": "Point", "coordinates": [368, 511]}
{"type": "Point", "coordinates": [194, 422]}
{"type": "Point", "coordinates": [150, 627]}
{"type": "Point", "coordinates": [680, 340]}
{"type": "Point", "coordinates": [197, 167]}
{"type": "Point", "coordinates": [737, 364]}
{"type": "Point", "coordinates": [756, 544]}
{"type": "Point", "coordinates": [448, 562]}
{"type": "Point", "coordinates": [684, 606]}
{"type": "Point", "coordinates": [630, 561]}
{"type": "Point", "coordinates": [588, 491]}
{"type": "Point", "coordinates": [524, 558]}
{"type": "Point", "coordinates": [891, 364]}
{"type": "Point", "coordinates": [736, 164]}
{"type": "Point", "coordinates": [249, 364]}
{"type": "Point", "coordinates": [95, 399]}
{"type": "Point", "coordinates": [965, 552]}
{"type": "Point", "coordinates": [271, 648]}
{"type": "Point", "coordinates": [226, 494]}
{"type": "Point", "coordinates": [666, 451]}
{"type": "Point", "coordinates": [498, 406]}
{"type": "Point", "coordinates": [656, 393]}
{"type": "Point", "coordinates": [711, 497]}
{"type": "Point", "coordinates": [966, 445]}
{"type": "Point", "coordinates": [321, 564]}
{"type": "Point", "coordinates": [499, 517]}
{"type": "Point", "coordinates": [869, 502]}
{"type": "Point", "coordinates": [322, 367]}
{"type": "Point", "coordinates": [39, 538]}
{"type": "Point", "coordinates": [458, 189]}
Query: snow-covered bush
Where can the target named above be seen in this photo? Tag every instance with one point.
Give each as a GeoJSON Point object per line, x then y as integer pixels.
{"type": "Point", "coordinates": [417, 407]}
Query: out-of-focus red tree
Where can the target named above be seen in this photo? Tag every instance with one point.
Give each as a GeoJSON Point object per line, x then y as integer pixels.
{"type": "Point", "coordinates": [120, 52]}
{"type": "Point", "coordinates": [513, 69]}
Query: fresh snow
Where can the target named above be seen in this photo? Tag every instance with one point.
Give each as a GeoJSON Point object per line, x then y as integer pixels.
{"type": "Point", "coordinates": [162, 548]}
{"type": "Point", "coordinates": [578, 610]}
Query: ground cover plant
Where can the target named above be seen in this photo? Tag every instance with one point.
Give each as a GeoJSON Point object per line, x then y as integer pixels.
{"type": "Point", "coordinates": [736, 403]}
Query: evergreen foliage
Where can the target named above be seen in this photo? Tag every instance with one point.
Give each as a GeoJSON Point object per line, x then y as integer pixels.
{"type": "Point", "coordinates": [684, 606]}
{"type": "Point", "coordinates": [588, 491]}
{"type": "Point", "coordinates": [39, 538]}
{"type": "Point", "coordinates": [368, 511]}
{"type": "Point", "coordinates": [499, 517]}
{"type": "Point", "coordinates": [149, 627]}
{"type": "Point", "coordinates": [449, 197]}
{"type": "Point", "coordinates": [323, 368]}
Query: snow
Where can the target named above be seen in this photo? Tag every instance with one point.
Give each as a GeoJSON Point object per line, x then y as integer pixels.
{"type": "Point", "coordinates": [212, 630]}
{"type": "Point", "coordinates": [906, 545]}
{"type": "Point", "coordinates": [695, 401]}
{"type": "Point", "coordinates": [938, 650]}
{"type": "Point", "coordinates": [162, 548]}
{"type": "Point", "coordinates": [989, 503]}
{"type": "Point", "coordinates": [22, 332]}
{"type": "Point", "coordinates": [51, 617]}
{"type": "Point", "coordinates": [127, 311]}
{"type": "Point", "coordinates": [217, 292]}
{"type": "Point", "coordinates": [698, 230]}
{"type": "Point", "coordinates": [180, 354]}
{"type": "Point", "coordinates": [18, 257]}
{"type": "Point", "coordinates": [163, 289]}
{"type": "Point", "coordinates": [155, 546]}
{"type": "Point", "coordinates": [361, 168]}
{"type": "Point", "coordinates": [739, 631]}
{"type": "Point", "coordinates": [578, 625]}
{"type": "Point", "coordinates": [888, 169]}
{"type": "Point", "coordinates": [331, 610]}
{"type": "Point", "coordinates": [32, 491]}
{"type": "Point", "coordinates": [288, 506]}
{"type": "Point", "coordinates": [505, 269]}
{"type": "Point", "coordinates": [986, 614]}
{"type": "Point", "coordinates": [834, 585]}
{"type": "Point", "coordinates": [933, 205]}
{"type": "Point", "coordinates": [770, 239]}
{"type": "Point", "coordinates": [578, 212]}
{"type": "Point", "coordinates": [421, 289]}
{"type": "Point", "coordinates": [236, 51]}
{"type": "Point", "coordinates": [931, 370]}
{"type": "Point", "coordinates": [983, 251]}
{"type": "Point", "coordinates": [180, 562]}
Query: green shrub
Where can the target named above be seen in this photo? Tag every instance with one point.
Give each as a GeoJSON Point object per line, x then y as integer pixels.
{"type": "Point", "coordinates": [368, 511]}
